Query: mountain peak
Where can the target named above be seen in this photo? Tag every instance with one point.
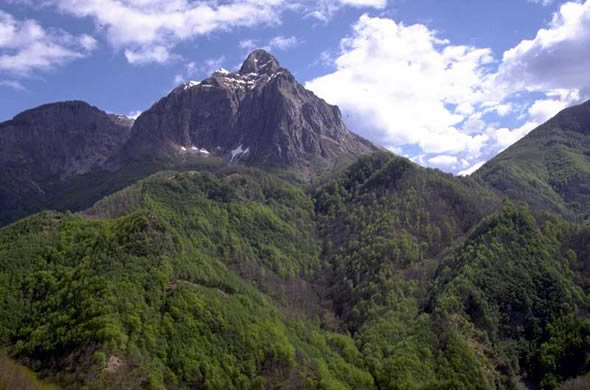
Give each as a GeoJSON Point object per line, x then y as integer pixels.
{"type": "Point", "coordinates": [260, 61]}
{"type": "Point", "coordinates": [260, 116]}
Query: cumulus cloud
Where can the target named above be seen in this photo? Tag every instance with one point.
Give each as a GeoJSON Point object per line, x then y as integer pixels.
{"type": "Point", "coordinates": [505, 137]}
{"type": "Point", "coordinates": [25, 46]}
{"type": "Point", "coordinates": [557, 58]}
{"type": "Point", "coordinates": [543, 109]}
{"type": "Point", "coordinates": [405, 86]}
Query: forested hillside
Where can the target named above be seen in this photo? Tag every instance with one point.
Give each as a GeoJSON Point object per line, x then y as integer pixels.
{"type": "Point", "coordinates": [201, 282]}
{"type": "Point", "coordinates": [437, 299]}
{"type": "Point", "coordinates": [550, 167]}
{"type": "Point", "coordinates": [387, 276]}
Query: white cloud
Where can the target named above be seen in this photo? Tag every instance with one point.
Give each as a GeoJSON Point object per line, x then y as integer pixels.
{"type": "Point", "coordinates": [88, 42]}
{"type": "Point", "coordinates": [397, 84]}
{"type": "Point", "coordinates": [543, 109]}
{"type": "Point", "coordinates": [557, 58]}
{"type": "Point", "coordinates": [324, 10]}
{"type": "Point", "coordinates": [190, 69]}
{"type": "Point", "coordinates": [248, 44]}
{"type": "Point", "coordinates": [145, 22]}
{"type": "Point", "coordinates": [405, 86]}
{"type": "Point", "coordinates": [17, 85]}
{"type": "Point", "coordinates": [443, 160]}
{"type": "Point", "coordinates": [178, 79]}
{"type": "Point", "coordinates": [501, 109]}
{"type": "Point", "coordinates": [326, 59]}
{"type": "Point", "coordinates": [279, 42]}
{"type": "Point", "coordinates": [505, 137]}
{"type": "Point", "coordinates": [537, 113]}
{"type": "Point", "coordinates": [283, 43]}
{"type": "Point", "coordinates": [365, 3]}
{"type": "Point", "coordinates": [474, 124]}
{"type": "Point", "coordinates": [25, 46]}
{"type": "Point", "coordinates": [147, 55]}
{"type": "Point", "coordinates": [471, 169]}
{"type": "Point", "coordinates": [212, 64]}
{"type": "Point", "coordinates": [148, 30]}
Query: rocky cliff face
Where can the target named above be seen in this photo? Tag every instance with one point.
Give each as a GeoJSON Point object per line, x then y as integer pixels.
{"type": "Point", "coordinates": [260, 115]}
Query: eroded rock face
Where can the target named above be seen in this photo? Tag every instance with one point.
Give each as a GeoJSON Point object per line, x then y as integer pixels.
{"type": "Point", "coordinates": [259, 115]}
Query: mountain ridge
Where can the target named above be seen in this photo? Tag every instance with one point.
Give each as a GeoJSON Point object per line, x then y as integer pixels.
{"type": "Point", "coordinates": [51, 144]}
{"type": "Point", "coordinates": [259, 116]}
{"type": "Point", "coordinates": [549, 167]}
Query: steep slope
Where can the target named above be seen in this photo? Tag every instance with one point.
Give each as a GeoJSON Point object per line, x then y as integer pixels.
{"type": "Point", "coordinates": [260, 115]}
{"type": "Point", "coordinates": [435, 297]}
{"type": "Point", "coordinates": [387, 224]}
{"type": "Point", "coordinates": [387, 214]}
{"type": "Point", "coordinates": [390, 276]}
{"type": "Point", "coordinates": [199, 282]}
{"type": "Point", "coordinates": [48, 145]}
{"type": "Point", "coordinates": [550, 167]}
{"type": "Point", "coordinates": [516, 294]}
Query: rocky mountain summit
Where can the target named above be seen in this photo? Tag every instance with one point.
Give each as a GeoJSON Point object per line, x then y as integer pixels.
{"type": "Point", "coordinates": [70, 154]}
{"type": "Point", "coordinates": [60, 139]}
{"type": "Point", "coordinates": [52, 144]}
{"type": "Point", "coordinates": [260, 115]}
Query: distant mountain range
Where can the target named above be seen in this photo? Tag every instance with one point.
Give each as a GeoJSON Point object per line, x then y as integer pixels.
{"type": "Point", "coordinates": [260, 116]}
{"type": "Point", "coordinates": [238, 236]}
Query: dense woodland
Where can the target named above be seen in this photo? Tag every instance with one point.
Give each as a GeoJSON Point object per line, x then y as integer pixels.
{"type": "Point", "coordinates": [386, 276]}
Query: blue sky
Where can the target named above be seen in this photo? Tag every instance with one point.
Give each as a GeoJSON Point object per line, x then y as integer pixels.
{"type": "Point", "coordinates": [447, 83]}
